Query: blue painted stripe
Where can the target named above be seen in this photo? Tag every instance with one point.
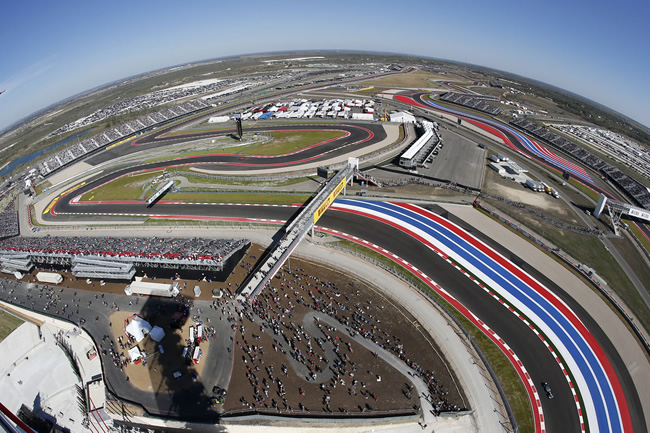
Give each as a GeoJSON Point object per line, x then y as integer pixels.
{"type": "Point", "coordinates": [588, 364]}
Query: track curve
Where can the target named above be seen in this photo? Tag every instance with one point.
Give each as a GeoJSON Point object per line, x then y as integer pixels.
{"type": "Point", "coordinates": [562, 408]}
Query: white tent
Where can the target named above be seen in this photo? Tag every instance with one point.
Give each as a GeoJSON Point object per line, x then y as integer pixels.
{"type": "Point", "coordinates": [134, 353]}
{"type": "Point", "coordinates": [138, 328]}
{"type": "Point", "coordinates": [197, 291]}
{"type": "Point", "coordinates": [157, 334]}
{"type": "Point", "coordinates": [402, 117]}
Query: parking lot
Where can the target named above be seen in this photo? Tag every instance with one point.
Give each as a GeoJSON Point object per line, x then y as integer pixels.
{"type": "Point", "coordinates": [459, 161]}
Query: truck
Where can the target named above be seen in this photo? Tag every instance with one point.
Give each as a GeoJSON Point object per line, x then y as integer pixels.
{"type": "Point", "coordinates": [534, 185]}
{"type": "Point", "coordinates": [152, 289]}
{"type": "Point", "coordinates": [49, 277]}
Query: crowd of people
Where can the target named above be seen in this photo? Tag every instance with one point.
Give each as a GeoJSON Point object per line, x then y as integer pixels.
{"type": "Point", "coordinates": [319, 352]}
{"type": "Point", "coordinates": [9, 224]}
{"type": "Point", "coordinates": [472, 101]}
{"type": "Point", "coordinates": [195, 249]}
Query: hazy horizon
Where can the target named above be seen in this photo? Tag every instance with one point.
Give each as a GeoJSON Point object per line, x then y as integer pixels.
{"type": "Point", "coordinates": [58, 52]}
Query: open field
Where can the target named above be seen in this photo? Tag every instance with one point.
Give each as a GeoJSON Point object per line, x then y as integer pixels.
{"type": "Point", "coordinates": [255, 184]}
{"type": "Point", "coordinates": [7, 324]}
{"type": "Point", "coordinates": [124, 188]}
{"type": "Point", "coordinates": [290, 141]}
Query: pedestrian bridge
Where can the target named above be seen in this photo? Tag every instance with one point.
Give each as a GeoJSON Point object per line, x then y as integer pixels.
{"type": "Point", "coordinates": [296, 231]}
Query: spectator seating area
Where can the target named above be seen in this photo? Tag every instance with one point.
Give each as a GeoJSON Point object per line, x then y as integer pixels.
{"type": "Point", "coordinates": [99, 141]}
{"type": "Point", "coordinates": [196, 251]}
{"type": "Point", "coordinates": [9, 224]}
{"type": "Point", "coordinates": [630, 186]}
{"type": "Point", "coordinates": [470, 101]}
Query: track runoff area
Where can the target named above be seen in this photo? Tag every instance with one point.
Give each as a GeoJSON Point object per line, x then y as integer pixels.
{"type": "Point", "coordinates": [599, 403]}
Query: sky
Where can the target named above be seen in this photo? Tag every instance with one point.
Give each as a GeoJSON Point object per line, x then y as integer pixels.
{"type": "Point", "coordinates": [54, 50]}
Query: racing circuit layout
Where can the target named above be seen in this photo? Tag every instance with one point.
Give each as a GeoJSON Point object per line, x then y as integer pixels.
{"type": "Point", "coordinates": [547, 335]}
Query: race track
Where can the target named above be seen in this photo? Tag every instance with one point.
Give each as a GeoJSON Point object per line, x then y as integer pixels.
{"type": "Point", "coordinates": [607, 391]}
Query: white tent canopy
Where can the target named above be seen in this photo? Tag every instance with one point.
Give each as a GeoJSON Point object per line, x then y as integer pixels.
{"type": "Point", "coordinates": [157, 334]}
{"type": "Point", "coordinates": [134, 353]}
{"type": "Point", "coordinates": [138, 328]}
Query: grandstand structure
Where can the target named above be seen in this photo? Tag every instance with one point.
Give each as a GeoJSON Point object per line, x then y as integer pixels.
{"type": "Point", "coordinates": [122, 132]}
{"type": "Point", "coordinates": [629, 186]}
{"type": "Point", "coordinates": [9, 226]}
{"type": "Point", "coordinates": [423, 147]}
{"type": "Point", "coordinates": [474, 101]}
{"type": "Point", "coordinates": [117, 258]}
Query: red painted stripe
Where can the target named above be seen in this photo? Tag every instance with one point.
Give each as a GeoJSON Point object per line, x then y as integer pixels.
{"type": "Point", "coordinates": [526, 279]}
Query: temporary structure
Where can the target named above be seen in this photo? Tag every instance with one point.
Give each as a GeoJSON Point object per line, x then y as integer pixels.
{"type": "Point", "coordinates": [138, 328]}
{"type": "Point", "coordinates": [157, 334]}
{"type": "Point", "coordinates": [134, 353]}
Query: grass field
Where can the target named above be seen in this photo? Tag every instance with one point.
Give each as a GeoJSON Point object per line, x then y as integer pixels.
{"type": "Point", "coordinates": [7, 324]}
{"type": "Point", "coordinates": [245, 182]}
{"type": "Point", "coordinates": [291, 141]}
{"type": "Point", "coordinates": [221, 150]}
{"type": "Point", "coordinates": [591, 193]}
{"type": "Point", "coordinates": [125, 188]}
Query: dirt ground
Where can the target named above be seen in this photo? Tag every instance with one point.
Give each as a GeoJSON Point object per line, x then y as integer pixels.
{"type": "Point", "coordinates": [279, 344]}
{"type": "Point", "coordinates": [148, 376]}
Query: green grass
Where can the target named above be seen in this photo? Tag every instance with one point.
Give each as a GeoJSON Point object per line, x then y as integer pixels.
{"type": "Point", "coordinates": [124, 188]}
{"type": "Point", "coordinates": [591, 193]}
{"type": "Point", "coordinates": [631, 255]}
{"type": "Point", "coordinates": [504, 370]}
{"type": "Point", "coordinates": [222, 150]}
{"type": "Point", "coordinates": [8, 324]}
{"type": "Point", "coordinates": [637, 232]}
{"type": "Point", "coordinates": [244, 181]}
{"type": "Point", "coordinates": [291, 141]}
{"type": "Point", "coordinates": [262, 198]}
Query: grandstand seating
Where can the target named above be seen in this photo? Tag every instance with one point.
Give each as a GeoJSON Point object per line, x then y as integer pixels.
{"type": "Point", "coordinates": [474, 102]}
{"type": "Point", "coordinates": [630, 186]}
{"type": "Point", "coordinates": [78, 150]}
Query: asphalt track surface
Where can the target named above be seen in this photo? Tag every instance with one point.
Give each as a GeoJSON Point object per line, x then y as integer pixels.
{"type": "Point", "coordinates": [516, 140]}
{"type": "Point", "coordinates": [357, 136]}
{"type": "Point", "coordinates": [560, 412]}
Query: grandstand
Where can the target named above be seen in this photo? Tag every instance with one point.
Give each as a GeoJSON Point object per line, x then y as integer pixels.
{"type": "Point", "coordinates": [476, 102]}
{"type": "Point", "coordinates": [9, 224]}
{"type": "Point", "coordinates": [118, 258]}
{"type": "Point", "coordinates": [120, 132]}
{"type": "Point", "coordinates": [628, 185]}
